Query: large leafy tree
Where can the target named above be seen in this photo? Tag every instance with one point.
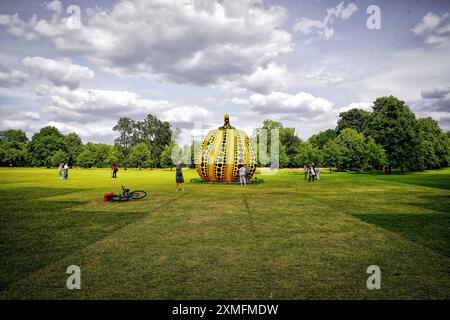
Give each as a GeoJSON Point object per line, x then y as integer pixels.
{"type": "Point", "coordinates": [434, 148]}
{"type": "Point", "coordinates": [307, 154]}
{"type": "Point", "coordinates": [156, 134]}
{"type": "Point", "coordinates": [320, 139]}
{"type": "Point", "coordinates": [126, 128]}
{"type": "Point", "coordinates": [13, 135]}
{"type": "Point", "coordinates": [94, 155]}
{"type": "Point", "coordinates": [332, 155]}
{"type": "Point", "coordinates": [74, 146]}
{"type": "Point", "coordinates": [44, 144]}
{"type": "Point", "coordinates": [140, 156]}
{"type": "Point", "coordinates": [13, 153]}
{"type": "Point", "coordinates": [168, 155]}
{"type": "Point", "coordinates": [288, 143]}
{"type": "Point", "coordinates": [152, 131]}
{"type": "Point", "coordinates": [60, 156]}
{"type": "Point", "coordinates": [394, 126]}
{"type": "Point", "coordinates": [114, 156]}
{"type": "Point", "coordinates": [374, 155]}
{"type": "Point", "coordinates": [357, 119]}
{"type": "Point", "coordinates": [351, 144]}
{"type": "Point", "coordinates": [87, 158]}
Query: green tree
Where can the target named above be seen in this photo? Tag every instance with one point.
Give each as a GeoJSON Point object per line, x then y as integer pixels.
{"type": "Point", "coordinates": [44, 144]}
{"type": "Point", "coordinates": [332, 155]}
{"type": "Point", "coordinates": [307, 154]}
{"type": "Point", "coordinates": [156, 134]}
{"type": "Point", "coordinates": [288, 143]}
{"type": "Point", "coordinates": [166, 156]}
{"type": "Point", "coordinates": [351, 145]}
{"type": "Point", "coordinates": [13, 152]}
{"type": "Point", "coordinates": [13, 135]}
{"type": "Point", "coordinates": [357, 119]}
{"type": "Point", "coordinates": [74, 147]}
{"type": "Point", "coordinates": [140, 156]}
{"type": "Point", "coordinates": [114, 156]}
{"type": "Point", "coordinates": [434, 148]}
{"type": "Point", "coordinates": [394, 127]}
{"type": "Point", "coordinates": [126, 128]}
{"type": "Point", "coordinates": [86, 158]}
{"type": "Point", "coordinates": [320, 139]}
{"type": "Point", "coordinates": [94, 155]}
{"type": "Point", "coordinates": [60, 156]}
{"type": "Point", "coordinates": [374, 155]}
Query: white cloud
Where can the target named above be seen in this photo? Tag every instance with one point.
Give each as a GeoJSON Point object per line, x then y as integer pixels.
{"type": "Point", "coordinates": [434, 29]}
{"type": "Point", "coordinates": [54, 6]}
{"type": "Point", "coordinates": [26, 120]}
{"type": "Point", "coordinates": [11, 78]}
{"type": "Point", "coordinates": [101, 130]}
{"type": "Point", "coordinates": [59, 72]}
{"type": "Point", "coordinates": [394, 74]}
{"type": "Point", "coordinates": [185, 116]}
{"type": "Point", "coordinates": [187, 42]}
{"type": "Point", "coordinates": [87, 105]}
{"type": "Point", "coordinates": [262, 80]}
{"type": "Point", "coordinates": [302, 105]}
{"type": "Point", "coordinates": [324, 27]}
{"type": "Point", "coordinates": [321, 76]}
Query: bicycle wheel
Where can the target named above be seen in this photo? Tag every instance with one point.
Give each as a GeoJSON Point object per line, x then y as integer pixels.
{"type": "Point", "coordinates": [138, 194]}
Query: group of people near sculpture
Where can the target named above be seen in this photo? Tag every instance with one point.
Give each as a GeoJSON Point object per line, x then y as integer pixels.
{"type": "Point", "coordinates": [312, 171]}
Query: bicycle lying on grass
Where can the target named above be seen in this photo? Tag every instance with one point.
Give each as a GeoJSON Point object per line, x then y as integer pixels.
{"type": "Point", "coordinates": [125, 196]}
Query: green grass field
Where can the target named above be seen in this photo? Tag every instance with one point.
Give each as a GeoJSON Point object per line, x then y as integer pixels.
{"type": "Point", "coordinates": [282, 239]}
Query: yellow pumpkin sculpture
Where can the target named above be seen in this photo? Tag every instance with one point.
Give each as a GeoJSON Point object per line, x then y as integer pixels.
{"type": "Point", "coordinates": [223, 152]}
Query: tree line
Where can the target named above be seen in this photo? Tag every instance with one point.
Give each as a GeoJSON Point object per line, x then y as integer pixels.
{"type": "Point", "coordinates": [388, 137]}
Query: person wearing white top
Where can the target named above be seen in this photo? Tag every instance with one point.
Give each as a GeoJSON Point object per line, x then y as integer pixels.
{"type": "Point", "coordinates": [66, 171]}
{"type": "Point", "coordinates": [312, 173]}
{"type": "Point", "coordinates": [317, 173]}
{"type": "Point", "coordinates": [242, 176]}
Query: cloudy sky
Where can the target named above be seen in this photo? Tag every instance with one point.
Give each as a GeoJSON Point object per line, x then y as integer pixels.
{"type": "Point", "coordinates": [80, 65]}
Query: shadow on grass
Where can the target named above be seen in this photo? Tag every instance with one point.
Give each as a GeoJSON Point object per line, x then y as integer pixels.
{"type": "Point", "coordinates": [35, 233]}
{"type": "Point", "coordinates": [429, 230]}
{"type": "Point", "coordinates": [439, 181]}
{"type": "Point", "coordinates": [437, 203]}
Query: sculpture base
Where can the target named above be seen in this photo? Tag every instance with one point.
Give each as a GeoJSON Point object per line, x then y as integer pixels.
{"type": "Point", "coordinates": [251, 181]}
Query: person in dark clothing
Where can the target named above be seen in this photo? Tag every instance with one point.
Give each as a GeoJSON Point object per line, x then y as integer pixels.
{"type": "Point", "coordinates": [312, 173]}
{"type": "Point", "coordinates": [114, 169]}
{"type": "Point", "coordinates": [179, 176]}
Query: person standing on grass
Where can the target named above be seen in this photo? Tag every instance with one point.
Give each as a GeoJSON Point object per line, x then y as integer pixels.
{"type": "Point", "coordinates": [66, 171]}
{"type": "Point", "coordinates": [242, 178]}
{"type": "Point", "coordinates": [179, 176]}
{"type": "Point", "coordinates": [114, 170]}
{"type": "Point", "coordinates": [305, 171]}
{"type": "Point", "coordinates": [312, 173]}
{"type": "Point", "coordinates": [60, 170]}
{"type": "Point", "coordinates": [247, 171]}
{"type": "Point", "coordinates": [317, 173]}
